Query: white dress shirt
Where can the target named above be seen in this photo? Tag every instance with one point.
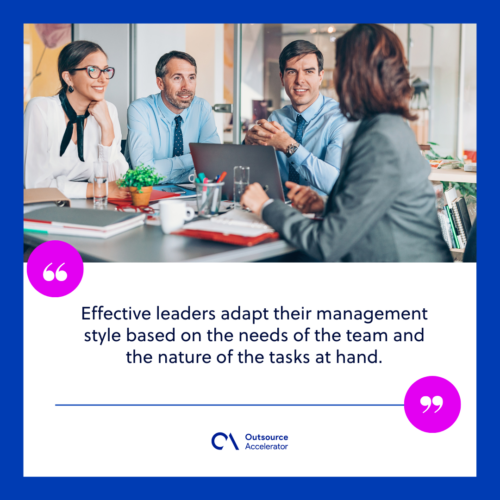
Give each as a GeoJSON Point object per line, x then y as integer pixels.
{"type": "Point", "coordinates": [44, 127]}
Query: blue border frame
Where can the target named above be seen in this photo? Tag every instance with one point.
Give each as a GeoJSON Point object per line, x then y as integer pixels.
{"type": "Point", "coordinates": [488, 242]}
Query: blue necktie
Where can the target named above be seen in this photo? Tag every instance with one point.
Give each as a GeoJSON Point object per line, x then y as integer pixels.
{"type": "Point", "coordinates": [293, 175]}
{"type": "Point", "coordinates": [178, 141]}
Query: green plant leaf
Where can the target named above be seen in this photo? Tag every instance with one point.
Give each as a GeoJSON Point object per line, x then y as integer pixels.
{"type": "Point", "coordinates": [140, 177]}
{"type": "Point", "coordinates": [467, 190]}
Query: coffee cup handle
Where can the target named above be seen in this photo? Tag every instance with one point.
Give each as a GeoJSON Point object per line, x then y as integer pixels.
{"type": "Point", "coordinates": [189, 214]}
{"type": "Point", "coordinates": [191, 178]}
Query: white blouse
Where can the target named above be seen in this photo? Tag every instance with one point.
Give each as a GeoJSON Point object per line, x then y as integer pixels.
{"type": "Point", "coordinates": [44, 127]}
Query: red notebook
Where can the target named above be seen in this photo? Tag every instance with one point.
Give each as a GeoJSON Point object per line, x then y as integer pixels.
{"type": "Point", "coordinates": [237, 227]}
{"type": "Point", "coordinates": [155, 196]}
{"type": "Point", "coordinates": [232, 239]}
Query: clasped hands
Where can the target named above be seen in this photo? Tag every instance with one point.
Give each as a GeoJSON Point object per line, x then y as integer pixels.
{"type": "Point", "coordinates": [266, 133]}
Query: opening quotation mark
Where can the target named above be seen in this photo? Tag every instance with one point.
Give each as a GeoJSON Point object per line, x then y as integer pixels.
{"type": "Point", "coordinates": [49, 275]}
{"type": "Point", "coordinates": [436, 401]}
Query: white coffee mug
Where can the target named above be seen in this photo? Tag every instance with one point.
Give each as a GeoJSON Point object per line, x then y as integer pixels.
{"type": "Point", "coordinates": [173, 214]}
{"type": "Point", "coordinates": [191, 178]}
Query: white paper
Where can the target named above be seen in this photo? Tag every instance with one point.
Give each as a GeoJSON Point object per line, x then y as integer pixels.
{"type": "Point", "coordinates": [238, 222]}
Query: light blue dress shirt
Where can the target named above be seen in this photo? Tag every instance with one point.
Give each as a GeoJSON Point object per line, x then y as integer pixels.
{"type": "Point", "coordinates": [317, 160]}
{"type": "Point", "coordinates": [151, 129]}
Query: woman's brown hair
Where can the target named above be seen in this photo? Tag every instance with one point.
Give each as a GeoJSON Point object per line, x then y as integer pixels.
{"type": "Point", "coordinates": [371, 74]}
{"type": "Point", "coordinates": [72, 55]}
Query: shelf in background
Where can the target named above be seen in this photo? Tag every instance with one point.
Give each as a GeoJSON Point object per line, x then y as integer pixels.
{"type": "Point", "coordinates": [452, 175]}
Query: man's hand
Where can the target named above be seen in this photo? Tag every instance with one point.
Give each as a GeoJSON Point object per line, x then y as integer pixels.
{"type": "Point", "coordinates": [305, 199]}
{"type": "Point", "coordinates": [269, 134]}
{"type": "Point", "coordinates": [258, 134]}
{"type": "Point", "coordinates": [254, 198]}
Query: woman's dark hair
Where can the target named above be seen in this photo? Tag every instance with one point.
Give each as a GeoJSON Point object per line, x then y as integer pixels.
{"type": "Point", "coordinates": [299, 48]}
{"type": "Point", "coordinates": [72, 55]}
{"type": "Point", "coordinates": [161, 66]}
{"type": "Point", "coordinates": [371, 73]}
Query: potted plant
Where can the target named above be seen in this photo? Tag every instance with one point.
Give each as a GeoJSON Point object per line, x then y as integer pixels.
{"type": "Point", "coordinates": [140, 181]}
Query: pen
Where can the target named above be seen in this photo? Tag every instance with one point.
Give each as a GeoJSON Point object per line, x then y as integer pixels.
{"type": "Point", "coordinates": [201, 176]}
{"type": "Point", "coordinates": [203, 194]}
{"type": "Point", "coordinates": [221, 177]}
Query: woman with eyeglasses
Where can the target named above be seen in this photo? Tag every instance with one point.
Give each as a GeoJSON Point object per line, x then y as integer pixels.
{"type": "Point", "coordinates": [65, 134]}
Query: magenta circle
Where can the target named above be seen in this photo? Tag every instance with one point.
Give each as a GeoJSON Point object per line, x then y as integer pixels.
{"type": "Point", "coordinates": [49, 257]}
{"type": "Point", "coordinates": [422, 404]}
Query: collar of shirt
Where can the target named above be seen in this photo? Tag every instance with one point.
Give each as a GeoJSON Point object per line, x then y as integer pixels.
{"type": "Point", "coordinates": [311, 111]}
{"type": "Point", "coordinates": [167, 114]}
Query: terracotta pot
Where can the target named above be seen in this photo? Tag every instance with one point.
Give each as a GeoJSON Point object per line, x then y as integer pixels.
{"type": "Point", "coordinates": [141, 199]}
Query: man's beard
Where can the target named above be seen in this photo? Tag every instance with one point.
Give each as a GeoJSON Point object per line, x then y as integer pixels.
{"type": "Point", "coordinates": [174, 101]}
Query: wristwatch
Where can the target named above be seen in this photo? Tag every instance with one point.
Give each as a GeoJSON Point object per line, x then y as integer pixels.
{"type": "Point", "coordinates": [291, 149]}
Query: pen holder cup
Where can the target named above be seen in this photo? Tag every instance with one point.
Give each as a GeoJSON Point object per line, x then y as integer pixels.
{"type": "Point", "coordinates": [208, 198]}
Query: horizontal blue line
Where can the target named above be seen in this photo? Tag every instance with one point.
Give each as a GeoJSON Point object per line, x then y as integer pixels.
{"type": "Point", "coordinates": [228, 405]}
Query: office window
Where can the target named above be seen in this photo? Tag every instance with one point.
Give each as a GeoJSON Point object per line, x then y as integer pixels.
{"type": "Point", "coordinates": [434, 68]}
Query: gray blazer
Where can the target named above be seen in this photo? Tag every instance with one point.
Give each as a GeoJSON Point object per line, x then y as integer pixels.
{"type": "Point", "coordinates": [381, 209]}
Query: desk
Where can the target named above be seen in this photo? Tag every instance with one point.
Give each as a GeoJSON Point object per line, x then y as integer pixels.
{"type": "Point", "coordinates": [452, 175]}
{"type": "Point", "coordinates": [149, 244]}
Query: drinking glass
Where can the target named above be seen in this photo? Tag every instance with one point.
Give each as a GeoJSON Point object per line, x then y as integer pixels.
{"type": "Point", "coordinates": [100, 184]}
{"type": "Point", "coordinates": [241, 181]}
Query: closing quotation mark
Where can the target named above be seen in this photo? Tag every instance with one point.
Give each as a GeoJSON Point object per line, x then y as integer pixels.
{"type": "Point", "coordinates": [436, 401]}
{"type": "Point", "coordinates": [60, 275]}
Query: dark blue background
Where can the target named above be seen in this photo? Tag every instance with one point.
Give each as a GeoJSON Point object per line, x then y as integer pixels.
{"type": "Point", "coordinates": [14, 486]}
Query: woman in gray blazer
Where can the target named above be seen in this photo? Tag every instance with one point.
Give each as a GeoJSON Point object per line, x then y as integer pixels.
{"type": "Point", "coordinates": [382, 207]}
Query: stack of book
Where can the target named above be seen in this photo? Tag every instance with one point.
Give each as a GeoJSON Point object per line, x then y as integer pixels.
{"type": "Point", "coordinates": [454, 219]}
{"type": "Point", "coordinates": [81, 222]}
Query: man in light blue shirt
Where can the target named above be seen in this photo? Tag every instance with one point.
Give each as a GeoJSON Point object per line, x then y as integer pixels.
{"type": "Point", "coordinates": [307, 134]}
{"type": "Point", "coordinates": [161, 126]}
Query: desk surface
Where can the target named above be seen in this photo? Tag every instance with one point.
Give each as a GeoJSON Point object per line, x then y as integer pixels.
{"type": "Point", "coordinates": [149, 244]}
{"type": "Point", "coordinates": [452, 175]}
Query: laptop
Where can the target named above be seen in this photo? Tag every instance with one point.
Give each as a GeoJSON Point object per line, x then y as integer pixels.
{"type": "Point", "coordinates": [213, 159]}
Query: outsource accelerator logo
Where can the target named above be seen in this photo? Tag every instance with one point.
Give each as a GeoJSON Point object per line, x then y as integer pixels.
{"type": "Point", "coordinates": [253, 441]}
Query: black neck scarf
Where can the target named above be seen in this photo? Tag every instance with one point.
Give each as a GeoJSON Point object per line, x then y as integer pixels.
{"type": "Point", "coordinates": [73, 118]}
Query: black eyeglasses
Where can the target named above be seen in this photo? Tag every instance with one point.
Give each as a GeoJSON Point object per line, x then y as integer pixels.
{"type": "Point", "coordinates": [95, 72]}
